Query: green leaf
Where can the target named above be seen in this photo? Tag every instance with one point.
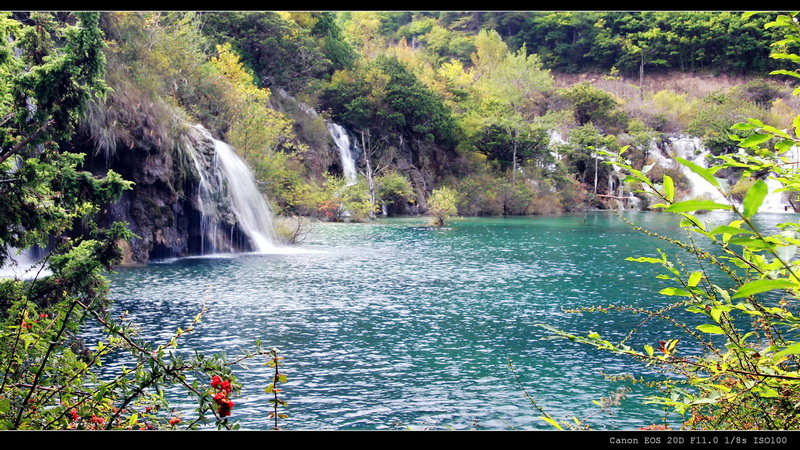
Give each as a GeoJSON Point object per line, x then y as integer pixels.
{"type": "Point", "coordinates": [696, 205]}
{"type": "Point", "coordinates": [754, 198]}
{"type": "Point", "coordinates": [646, 259]}
{"type": "Point", "coordinates": [551, 422]}
{"type": "Point", "coordinates": [712, 329]}
{"type": "Point", "coordinates": [755, 139]}
{"type": "Point", "coordinates": [675, 291]}
{"type": "Point", "coordinates": [695, 278]}
{"type": "Point", "coordinates": [790, 350]}
{"type": "Point", "coordinates": [753, 244]}
{"type": "Point", "coordinates": [758, 286]}
{"type": "Point", "coordinates": [729, 230]}
{"type": "Point", "coordinates": [669, 188]}
{"type": "Point", "coordinates": [703, 172]}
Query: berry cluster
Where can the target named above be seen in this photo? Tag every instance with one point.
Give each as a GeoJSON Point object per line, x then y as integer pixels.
{"type": "Point", "coordinates": [224, 404]}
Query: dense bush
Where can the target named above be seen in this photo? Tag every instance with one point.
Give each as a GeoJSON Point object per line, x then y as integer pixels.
{"type": "Point", "coordinates": [443, 204]}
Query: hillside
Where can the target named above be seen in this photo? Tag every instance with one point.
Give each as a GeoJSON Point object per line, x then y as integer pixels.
{"type": "Point", "coordinates": [425, 101]}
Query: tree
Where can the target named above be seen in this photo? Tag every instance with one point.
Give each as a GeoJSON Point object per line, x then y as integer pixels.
{"type": "Point", "coordinates": [394, 189]}
{"type": "Point", "coordinates": [280, 52]}
{"type": "Point", "coordinates": [255, 128]}
{"type": "Point", "coordinates": [442, 204]}
{"type": "Point", "coordinates": [506, 86]}
{"type": "Point", "coordinates": [591, 104]}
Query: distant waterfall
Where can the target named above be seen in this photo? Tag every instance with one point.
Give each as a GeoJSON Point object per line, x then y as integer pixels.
{"type": "Point", "coordinates": [342, 140]}
{"type": "Point", "coordinates": [777, 201]}
{"type": "Point", "coordinates": [25, 264]}
{"type": "Point", "coordinates": [692, 150]}
{"type": "Point", "coordinates": [227, 188]}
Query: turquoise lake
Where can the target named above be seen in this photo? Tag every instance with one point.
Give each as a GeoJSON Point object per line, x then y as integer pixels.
{"type": "Point", "coordinates": [395, 324]}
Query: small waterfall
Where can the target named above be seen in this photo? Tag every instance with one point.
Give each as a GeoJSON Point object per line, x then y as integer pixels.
{"type": "Point", "coordinates": [207, 202]}
{"type": "Point", "coordinates": [342, 140]}
{"type": "Point", "coordinates": [777, 201]}
{"type": "Point", "coordinates": [692, 150]}
{"type": "Point", "coordinates": [24, 265]}
{"type": "Point", "coordinates": [251, 209]}
{"type": "Point", "coordinates": [227, 188]}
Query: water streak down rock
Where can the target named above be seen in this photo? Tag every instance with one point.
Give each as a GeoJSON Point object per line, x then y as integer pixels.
{"type": "Point", "coordinates": [194, 198]}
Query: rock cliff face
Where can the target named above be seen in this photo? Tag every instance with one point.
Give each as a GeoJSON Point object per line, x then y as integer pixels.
{"type": "Point", "coordinates": [166, 209]}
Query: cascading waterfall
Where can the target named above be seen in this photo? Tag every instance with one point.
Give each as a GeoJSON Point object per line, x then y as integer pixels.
{"type": "Point", "coordinates": [776, 201]}
{"type": "Point", "coordinates": [26, 264]}
{"type": "Point", "coordinates": [617, 189]}
{"type": "Point", "coordinates": [228, 182]}
{"type": "Point", "coordinates": [249, 206]}
{"type": "Point", "coordinates": [342, 140]}
{"type": "Point", "coordinates": [692, 150]}
{"type": "Point", "coordinates": [206, 203]}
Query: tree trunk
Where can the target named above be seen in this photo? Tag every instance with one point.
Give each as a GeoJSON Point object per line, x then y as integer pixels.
{"type": "Point", "coordinates": [514, 157]}
{"type": "Point", "coordinates": [370, 179]}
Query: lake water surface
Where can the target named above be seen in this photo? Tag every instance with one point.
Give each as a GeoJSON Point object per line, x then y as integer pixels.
{"type": "Point", "coordinates": [395, 324]}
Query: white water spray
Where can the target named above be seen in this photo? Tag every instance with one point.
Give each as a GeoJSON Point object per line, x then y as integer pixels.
{"type": "Point", "coordinates": [342, 141]}
{"type": "Point", "coordinates": [24, 265]}
{"type": "Point", "coordinates": [251, 209]}
{"type": "Point", "coordinates": [231, 176]}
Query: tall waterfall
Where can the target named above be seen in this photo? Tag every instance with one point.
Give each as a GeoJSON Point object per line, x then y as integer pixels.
{"type": "Point", "coordinates": [226, 187]}
{"type": "Point", "coordinates": [342, 140]}
{"type": "Point", "coordinates": [249, 206]}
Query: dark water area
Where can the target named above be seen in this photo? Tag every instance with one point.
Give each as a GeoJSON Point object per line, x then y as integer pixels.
{"type": "Point", "coordinates": [396, 324]}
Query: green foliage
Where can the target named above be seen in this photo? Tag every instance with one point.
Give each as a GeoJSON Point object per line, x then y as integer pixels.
{"type": "Point", "coordinates": [741, 188]}
{"type": "Point", "coordinates": [529, 145]}
{"type": "Point", "coordinates": [672, 111]}
{"type": "Point", "coordinates": [332, 43]}
{"type": "Point", "coordinates": [394, 190]}
{"type": "Point", "coordinates": [575, 41]}
{"type": "Point", "coordinates": [443, 204]}
{"type": "Point", "coordinates": [386, 99]}
{"type": "Point", "coordinates": [255, 128]}
{"type": "Point", "coordinates": [713, 121]}
{"type": "Point", "coordinates": [355, 201]}
{"type": "Point", "coordinates": [49, 376]}
{"type": "Point", "coordinates": [596, 106]}
{"type": "Point", "coordinates": [280, 52]}
{"type": "Point", "coordinates": [486, 194]}
{"type": "Point", "coordinates": [760, 91]}
{"type": "Point", "coordinates": [581, 152]}
{"type": "Point", "coordinates": [733, 361]}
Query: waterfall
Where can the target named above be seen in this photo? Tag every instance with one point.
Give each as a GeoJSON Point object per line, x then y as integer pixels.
{"type": "Point", "coordinates": [342, 140]}
{"type": "Point", "coordinates": [24, 265]}
{"type": "Point", "coordinates": [776, 201]}
{"type": "Point", "coordinates": [206, 202]}
{"type": "Point", "coordinates": [249, 206]}
{"type": "Point", "coordinates": [692, 150]}
{"type": "Point", "coordinates": [226, 188]}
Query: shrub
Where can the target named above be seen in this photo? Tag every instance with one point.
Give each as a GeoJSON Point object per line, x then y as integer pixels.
{"type": "Point", "coordinates": [442, 204]}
